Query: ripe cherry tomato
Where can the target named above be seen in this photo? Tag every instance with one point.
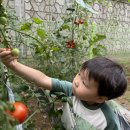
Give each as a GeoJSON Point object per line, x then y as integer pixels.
{"type": "Point", "coordinates": [70, 44]}
{"type": "Point", "coordinates": [20, 112]}
{"type": "Point", "coordinates": [81, 21]}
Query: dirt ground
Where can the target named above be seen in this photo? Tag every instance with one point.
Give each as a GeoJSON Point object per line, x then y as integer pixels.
{"type": "Point", "coordinates": [124, 60]}
{"type": "Point", "coordinates": [125, 100]}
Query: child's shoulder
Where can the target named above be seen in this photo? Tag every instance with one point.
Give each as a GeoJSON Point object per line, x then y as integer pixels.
{"type": "Point", "coordinates": [109, 113]}
{"type": "Point", "coordinates": [107, 109]}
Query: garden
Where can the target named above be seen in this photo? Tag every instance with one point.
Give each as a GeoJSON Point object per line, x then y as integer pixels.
{"type": "Point", "coordinates": [56, 47]}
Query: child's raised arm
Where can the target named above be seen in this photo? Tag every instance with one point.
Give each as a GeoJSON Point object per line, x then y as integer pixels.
{"type": "Point", "coordinates": [29, 74]}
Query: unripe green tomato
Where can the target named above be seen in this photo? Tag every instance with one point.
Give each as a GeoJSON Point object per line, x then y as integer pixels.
{"type": "Point", "coordinates": [15, 52]}
{"type": "Point", "coordinates": [3, 20]}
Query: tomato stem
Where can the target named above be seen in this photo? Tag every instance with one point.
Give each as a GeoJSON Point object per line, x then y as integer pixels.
{"type": "Point", "coordinates": [30, 116]}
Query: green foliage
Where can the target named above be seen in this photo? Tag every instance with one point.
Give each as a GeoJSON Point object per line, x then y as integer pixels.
{"type": "Point", "coordinates": [65, 45]}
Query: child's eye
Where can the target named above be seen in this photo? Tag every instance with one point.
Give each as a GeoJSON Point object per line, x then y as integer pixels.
{"type": "Point", "coordinates": [85, 85]}
{"type": "Point", "coordinates": [78, 73]}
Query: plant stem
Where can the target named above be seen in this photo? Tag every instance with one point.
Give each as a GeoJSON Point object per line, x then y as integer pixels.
{"type": "Point", "coordinates": [30, 116]}
{"type": "Point", "coordinates": [24, 34]}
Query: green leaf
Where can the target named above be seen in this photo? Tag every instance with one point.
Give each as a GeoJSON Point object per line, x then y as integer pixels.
{"type": "Point", "coordinates": [128, 0]}
{"type": "Point", "coordinates": [55, 48]}
{"type": "Point", "coordinates": [41, 33]}
{"type": "Point", "coordinates": [59, 94]}
{"type": "Point", "coordinates": [85, 5]}
{"type": "Point", "coordinates": [65, 26]}
{"type": "Point", "coordinates": [37, 20]}
{"type": "Point", "coordinates": [86, 23]}
{"type": "Point", "coordinates": [67, 99]}
{"type": "Point", "coordinates": [62, 59]}
{"type": "Point", "coordinates": [21, 88]}
{"type": "Point", "coordinates": [17, 97]}
{"type": "Point", "coordinates": [52, 111]}
{"type": "Point", "coordinates": [26, 26]}
{"type": "Point", "coordinates": [98, 38]}
{"type": "Point", "coordinates": [64, 99]}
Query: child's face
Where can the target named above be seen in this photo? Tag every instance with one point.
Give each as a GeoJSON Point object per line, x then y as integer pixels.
{"type": "Point", "coordinates": [85, 89]}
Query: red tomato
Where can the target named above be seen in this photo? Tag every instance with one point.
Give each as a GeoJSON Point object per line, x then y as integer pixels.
{"type": "Point", "coordinates": [72, 46]}
{"type": "Point", "coordinates": [81, 21]}
{"type": "Point", "coordinates": [69, 46]}
{"type": "Point", "coordinates": [20, 113]}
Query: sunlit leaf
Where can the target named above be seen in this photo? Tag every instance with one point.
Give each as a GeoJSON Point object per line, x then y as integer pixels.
{"type": "Point", "coordinates": [37, 20]}
{"type": "Point", "coordinates": [98, 38]}
{"type": "Point", "coordinates": [55, 48]}
{"type": "Point", "coordinates": [65, 26]}
{"type": "Point", "coordinates": [26, 26]}
{"type": "Point", "coordinates": [41, 33]}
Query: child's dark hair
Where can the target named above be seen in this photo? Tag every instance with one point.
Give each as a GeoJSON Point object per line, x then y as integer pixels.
{"type": "Point", "coordinates": [109, 75]}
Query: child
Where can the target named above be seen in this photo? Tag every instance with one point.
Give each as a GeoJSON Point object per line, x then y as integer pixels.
{"type": "Point", "coordinates": [98, 80]}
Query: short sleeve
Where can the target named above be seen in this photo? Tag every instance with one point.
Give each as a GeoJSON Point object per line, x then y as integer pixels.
{"type": "Point", "coordinates": [61, 86]}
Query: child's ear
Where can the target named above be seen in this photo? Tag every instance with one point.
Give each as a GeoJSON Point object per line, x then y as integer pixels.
{"type": "Point", "coordinates": [101, 99]}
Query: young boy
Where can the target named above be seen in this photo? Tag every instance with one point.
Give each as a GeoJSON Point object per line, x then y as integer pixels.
{"type": "Point", "coordinates": [98, 80]}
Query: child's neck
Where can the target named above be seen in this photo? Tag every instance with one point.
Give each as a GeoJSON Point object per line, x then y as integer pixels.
{"type": "Point", "coordinates": [91, 103]}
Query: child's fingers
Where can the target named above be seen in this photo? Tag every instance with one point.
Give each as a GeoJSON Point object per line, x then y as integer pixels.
{"type": "Point", "coordinates": [8, 60]}
{"type": "Point", "coordinates": [6, 57]}
{"type": "Point", "coordinates": [4, 53]}
{"type": "Point", "coordinates": [2, 49]}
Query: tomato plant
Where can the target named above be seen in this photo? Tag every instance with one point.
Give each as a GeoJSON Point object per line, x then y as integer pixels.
{"type": "Point", "coordinates": [20, 112]}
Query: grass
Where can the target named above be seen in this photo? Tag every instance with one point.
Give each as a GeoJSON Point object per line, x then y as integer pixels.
{"type": "Point", "coordinates": [124, 60]}
{"type": "Point", "coordinates": [121, 57]}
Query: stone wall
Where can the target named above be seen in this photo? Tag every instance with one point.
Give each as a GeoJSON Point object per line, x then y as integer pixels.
{"type": "Point", "coordinates": [113, 19]}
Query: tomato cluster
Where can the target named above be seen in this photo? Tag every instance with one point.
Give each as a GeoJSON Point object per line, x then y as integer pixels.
{"type": "Point", "coordinates": [70, 44]}
{"type": "Point", "coordinates": [79, 21]}
{"type": "Point", "coordinates": [3, 14]}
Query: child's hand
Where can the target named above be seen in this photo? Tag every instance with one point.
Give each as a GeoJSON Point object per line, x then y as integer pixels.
{"type": "Point", "coordinates": [6, 57]}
